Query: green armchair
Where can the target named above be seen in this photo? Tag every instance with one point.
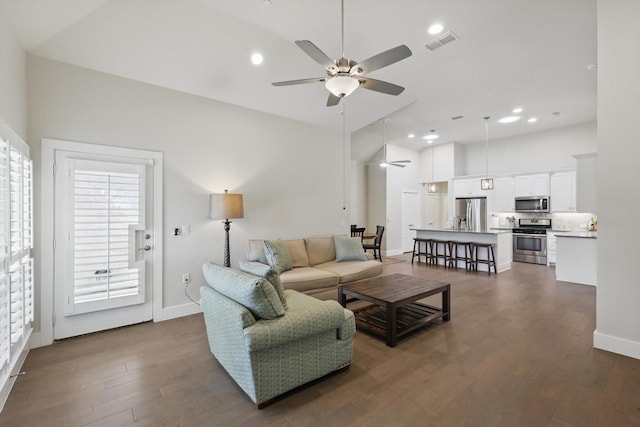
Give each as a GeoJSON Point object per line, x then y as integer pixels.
{"type": "Point", "coordinates": [267, 349]}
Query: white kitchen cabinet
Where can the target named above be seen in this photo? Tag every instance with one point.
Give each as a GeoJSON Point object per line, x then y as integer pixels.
{"type": "Point", "coordinates": [532, 185]}
{"type": "Point", "coordinates": [467, 187]}
{"type": "Point", "coordinates": [501, 198]}
{"type": "Point", "coordinates": [562, 190]}
{"type": "Point", "coordinates": [443, 163]}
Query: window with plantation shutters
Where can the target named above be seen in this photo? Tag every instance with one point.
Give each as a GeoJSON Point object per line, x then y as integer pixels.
{"type": "Point", "coordinates": [16, 241]}
{"type": "Point", "coordinates": [107, 205]}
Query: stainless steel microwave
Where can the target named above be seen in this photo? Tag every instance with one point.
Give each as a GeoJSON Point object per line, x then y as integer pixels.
{"type": "Point", "coordinates": [533, 204]}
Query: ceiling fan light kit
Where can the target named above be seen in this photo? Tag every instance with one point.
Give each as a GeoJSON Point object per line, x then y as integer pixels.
{"type": "Point", "coordinates": [342, 86]}
{"type": "Point", "coordinates": [346, 75]}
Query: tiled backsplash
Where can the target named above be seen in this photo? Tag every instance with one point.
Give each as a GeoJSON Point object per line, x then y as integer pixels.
{"type": "Point", "coordinates": [559, 221]}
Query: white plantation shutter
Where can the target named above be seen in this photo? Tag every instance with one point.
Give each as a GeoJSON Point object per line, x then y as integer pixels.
{"type": "Point", "coordinates": [107, 202]}
{"type": "Point", "coordinates": [5, 296]}
{"type": "Point", "coordinates": [15, 203]}
{"type": "Point", "coordinates": [16, 241]}
{"type": "Point", "coordinates": [4, 320]}
{"type": "Point", "coordinates": [16, 304]}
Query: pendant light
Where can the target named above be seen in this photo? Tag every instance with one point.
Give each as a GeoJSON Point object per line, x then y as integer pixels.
{"type": "Point", "coordinates": [432, 187]}
{"type": "Point", "coordinates": [486, 183]}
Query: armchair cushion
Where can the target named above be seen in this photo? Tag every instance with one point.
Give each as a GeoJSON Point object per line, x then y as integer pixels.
{"type": "Point", "coordinates": [278, 255]}
{"type": "Point", "coordinates": [269, 273]}
{"type": "Point", "coordinates": [306, 317]}
{"type": "Point", "coordinates": [254, 293]}
{"type": "Point", "coordinates": [348, 248]}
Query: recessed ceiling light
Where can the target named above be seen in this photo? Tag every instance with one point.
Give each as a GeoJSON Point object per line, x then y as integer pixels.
{"type": "Point", "coordinates": [533, 120]}
{"type": "Point", "coordinates": [256, 58]}
{"type": "Point", "coordinates": [411, 135]}
{"type": "Point", "coordinates": [435, 29]}
{"type": "Point", "coordinates": [431, 137]}
{"type": "Point", "coordinates": [517, 110]}
{"type": "Point", "coordinates": [509, 119]}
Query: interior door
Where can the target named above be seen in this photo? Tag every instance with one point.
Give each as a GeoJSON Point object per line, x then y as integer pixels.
{"type": "Point", "coordinates": [410, 219]}
{"type": "Point", "coordinates": [103, 242]}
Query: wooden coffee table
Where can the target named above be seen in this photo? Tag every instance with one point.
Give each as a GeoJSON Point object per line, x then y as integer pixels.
{"type": "Point", "coordinates": [394, 310]}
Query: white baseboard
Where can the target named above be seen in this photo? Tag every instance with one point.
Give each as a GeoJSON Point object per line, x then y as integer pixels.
{"type": "Point", "coordinates": [617, 345]}
{"type": "Point", "coordinates": [180, 311]}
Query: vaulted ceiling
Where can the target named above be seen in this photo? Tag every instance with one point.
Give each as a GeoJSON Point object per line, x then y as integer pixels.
{"type": "Point", "coordinates": [538, 55]}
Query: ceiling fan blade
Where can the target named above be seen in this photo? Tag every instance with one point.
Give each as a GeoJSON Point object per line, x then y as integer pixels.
{"type": "Point", "coordinates": [400, 161]}
{"type": "Point", "coordinates": [396, 165]}
{"type": "Point", "coordinates": [333, 100]}
{"type": "Point", "coordinates": [380, 86]}
{"type": "Point", "coordinates": [380, 60]}
{"type": "Point", "coordinates": [300, 81]}
{"type": "Point", "coordinates": [316, 54]}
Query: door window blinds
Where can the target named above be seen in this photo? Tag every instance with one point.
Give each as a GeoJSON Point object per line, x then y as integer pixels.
{"type": "Point", "coordinates": [16, 241]}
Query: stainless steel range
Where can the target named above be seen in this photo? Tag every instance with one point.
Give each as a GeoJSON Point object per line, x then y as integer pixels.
{"type": "Point", "coordinates": [530, 240]}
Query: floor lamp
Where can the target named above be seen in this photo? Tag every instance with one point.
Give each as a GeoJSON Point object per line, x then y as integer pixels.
{"type": "Point", "coordinates": [226, 206]}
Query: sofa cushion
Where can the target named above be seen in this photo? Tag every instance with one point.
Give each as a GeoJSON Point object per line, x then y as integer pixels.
{"type": "Point", "coordinates": [307, 317]}
{"type": "Point", "coordinates": [320, 249]}
{"type": "Point", "coordinates": [253, 292]}
{"type": "Point", "coordinates": [303, 279]}
{"type": "Point", "coordinates": [278, 255]}
{"type": "Point", "coordinates": [351, 271]}
{"type": "Point", "coordinates": [255, 251]}
{"type": "Point", "coordinates": [269, 273]}
{"type": "Point", "coordinates": [298, 252]}
{"type": "Point", "coordinates": [348, 248]}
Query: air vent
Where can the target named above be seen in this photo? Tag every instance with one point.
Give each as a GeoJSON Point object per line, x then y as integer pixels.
{"type": "Point", "coordinates": [457, 117]}
{"type": "Point", "coordinates": [446, 38]}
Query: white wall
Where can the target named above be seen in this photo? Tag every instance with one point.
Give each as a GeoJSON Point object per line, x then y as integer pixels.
{"type": "Point", "coordinates": [13, 79]}
{"type": "Point", "coordinates": [618, 300]}
{"type": "Point", "coordinates": [399, 180]}
{"type": "Point", "coordinates": [546, 150]}
{"type": "Point", "coordinates": [290, 173]}
{"type": "Point", "coordinates": [358, 194]}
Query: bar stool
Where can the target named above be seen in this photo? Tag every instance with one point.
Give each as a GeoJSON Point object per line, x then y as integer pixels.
{"type": "Point", "coordinates": [435, 252]}
{"type": "Point", "coordinates": [418, 243]}
{"type": "Point", "coordinates": [490, 260]}
{"type": "Point", "coordinates": [454, 255]}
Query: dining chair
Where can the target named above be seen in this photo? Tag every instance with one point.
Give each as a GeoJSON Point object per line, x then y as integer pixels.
{"type": "Point", "coordinates": [375, 246]}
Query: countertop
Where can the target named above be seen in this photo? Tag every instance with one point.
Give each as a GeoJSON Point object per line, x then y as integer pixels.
{"type": "Point", "coordinates": [580, 234]}
{"type": "Point", "coordinates": [455, 230]}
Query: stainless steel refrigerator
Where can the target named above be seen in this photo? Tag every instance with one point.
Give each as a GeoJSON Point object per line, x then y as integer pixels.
{"type": "Point", "coordinates": [471, 213]}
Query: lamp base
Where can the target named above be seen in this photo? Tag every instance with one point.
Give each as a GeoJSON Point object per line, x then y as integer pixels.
{"type": "Point", "coordinates": [227, 256]}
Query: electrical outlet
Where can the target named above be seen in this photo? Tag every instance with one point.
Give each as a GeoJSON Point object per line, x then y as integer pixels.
{"type": "Point", "coordinates": [186, 278]}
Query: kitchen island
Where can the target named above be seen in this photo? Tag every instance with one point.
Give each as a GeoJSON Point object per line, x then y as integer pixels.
{"type": "Point", "coordinates": [500, 239]}
{"type": "Point", "coordinates": [577, 257]}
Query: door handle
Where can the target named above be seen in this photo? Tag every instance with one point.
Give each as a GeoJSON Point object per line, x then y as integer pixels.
{"type": "Point", "coordinates": [146, 248]}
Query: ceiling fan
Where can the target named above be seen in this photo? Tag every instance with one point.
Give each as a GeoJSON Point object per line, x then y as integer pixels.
{"type": "Point", "coordinates": [386, 162]}
{"type": "Point", "coordinates": [345, 75]}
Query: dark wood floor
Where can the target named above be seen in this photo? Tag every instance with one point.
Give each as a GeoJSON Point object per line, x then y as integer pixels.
{"type": "Point", "coordinates": [517, 352]}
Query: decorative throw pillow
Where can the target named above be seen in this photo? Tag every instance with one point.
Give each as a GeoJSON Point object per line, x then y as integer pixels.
{"type": "Point", "coordinates": [298, 252]}
{"type": "Point", "coordinates": [269, 273]}
{"type": "Point", "coordinates": [349, 248]}
{"type": "Point", "coordinates": [278, 255]}
{"type": "Point", "coordinates": [253, 292]}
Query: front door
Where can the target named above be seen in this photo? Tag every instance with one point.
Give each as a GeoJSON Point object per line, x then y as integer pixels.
{"type": "Point", "coordinates": [103, 242]}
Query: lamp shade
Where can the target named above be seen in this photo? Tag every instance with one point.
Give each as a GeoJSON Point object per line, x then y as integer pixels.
{"type": "Point", "coordinates": [226, 206]}
{"type": "Point", "coordinates": [342, 85]}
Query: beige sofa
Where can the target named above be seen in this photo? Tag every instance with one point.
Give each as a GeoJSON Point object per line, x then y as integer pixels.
{"type": "Point", "coordinates": [315, 270]}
